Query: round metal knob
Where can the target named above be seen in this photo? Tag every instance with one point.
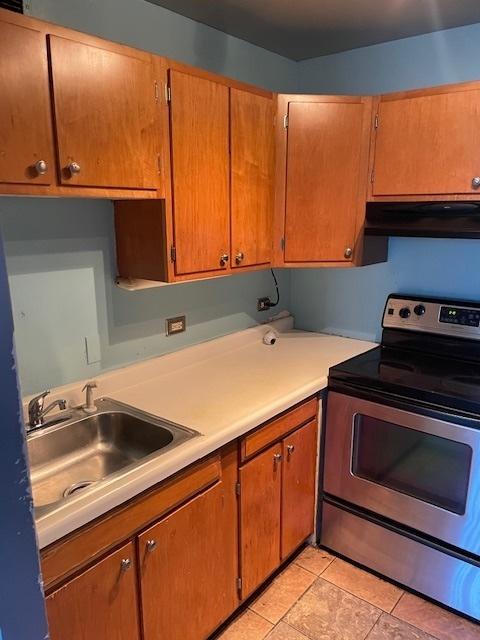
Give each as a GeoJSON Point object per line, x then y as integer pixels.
{"type": "Point", "coordinates": [41, 167]}
{"type": "Point", "coordinates": [126, 564]}
{"type": "Point", "coordinates": [151, 545]}
{"type": "Point", "coordinates": [224, 260]}
{"type": "Point", "coordinates": [290, 449]}
{"type": "Point", "coordinates": [74, 168]}
{"type": "Point", "coordinates": [277, 458]}
{"type": "Point", "coordinates": [239, 257]}
{"type": "Point", "coordinates": [348, 252]}
{"type": "Point", "coordinates": [476, 182]}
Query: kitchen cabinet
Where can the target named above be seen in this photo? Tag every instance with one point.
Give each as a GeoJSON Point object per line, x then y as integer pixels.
{"type": "Point", "coordinates": [321, 181]}
{"type": "Point", "coordinates": [426, 144]}
{"type": "Point", "coordinates": [277, 492]}
{"type": "Point", "coordinates": [100, 603]}
{"type": "Point", "coordinates": [105, 115]}
{"type": "Point", "coordinates": [252, 168]}
{"type": "Point", "coordinates": [188, 568]}
{"type": "Point", "coordinates": [26, 145]}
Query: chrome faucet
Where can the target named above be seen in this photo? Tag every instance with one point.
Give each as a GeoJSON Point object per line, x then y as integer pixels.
{"type": "Point", "coordinates": [37, 411]}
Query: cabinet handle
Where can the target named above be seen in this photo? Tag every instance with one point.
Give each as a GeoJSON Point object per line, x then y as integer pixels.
{"type": "Point", "coordinates": [239, 257]}
{"type": "Point", "coordinates": [348, 252]}
{"type": "Point", "coordinates": [74, 168]}
{"type": "Point", "coordinates": [41, 167]}
{"type": "Point", "coordinates": [277, 458]}
{"type": "Point", "coordinates": [126, 564]}
{"type": "Point", "coordinates": [476, 182]}
{"type": "Point", "coordinates": [151, 545]}
{"type": "Point", "coordinates": [224, 259]}
{"type": "Point", "coordinates": [290, 449]}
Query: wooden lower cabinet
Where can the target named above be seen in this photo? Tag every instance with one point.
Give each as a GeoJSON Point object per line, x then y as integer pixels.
{"type": "Point", "coordinates": [99, 604]}
{"type": "Point", "coordinates": [188, 569]}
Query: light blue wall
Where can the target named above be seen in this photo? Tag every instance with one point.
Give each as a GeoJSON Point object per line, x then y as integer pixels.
{"type": "Point", "coordinates": [350, 301]}
{"type": "Point", "coordinates": [60, 253]}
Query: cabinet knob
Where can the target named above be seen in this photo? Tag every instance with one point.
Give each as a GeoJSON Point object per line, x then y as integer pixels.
{"type": "Point", "coordinates": [126, 564]}
{"type": "Point", "coordinates": [277, 458]}
{"type": "Point", "coordinates": [151, 545]}
{"type": "Point", "coordinates": [239, 257]}
{"type": "Point", "coordinates": [41, 167]}
{"type": "Point", "coordinates": [476, 182]}
{"type": "Point", "coordinates": [290, 449]}
{"type": "Point", "coordinates": [224, 259]}
{"type": "Point", "coordinates": [74, 168]}
{"type": "Point", "coordinates": [348, 252]}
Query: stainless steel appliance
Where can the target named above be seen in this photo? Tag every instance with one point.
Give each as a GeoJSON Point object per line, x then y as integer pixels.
{"type": "Point", "coordinates": [402, 452]}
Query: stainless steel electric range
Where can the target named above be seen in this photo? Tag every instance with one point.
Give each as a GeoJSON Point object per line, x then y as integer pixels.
{"type": "Point", "coordinates": [401, 481]}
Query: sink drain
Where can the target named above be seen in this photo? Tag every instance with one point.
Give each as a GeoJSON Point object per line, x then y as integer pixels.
{"type": "Point", "coordinates": [73, 488]}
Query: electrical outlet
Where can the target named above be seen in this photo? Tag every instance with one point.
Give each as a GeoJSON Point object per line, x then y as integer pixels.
{"type": "Point", "coordinates": [175, 325]}
{"type": "Point", "coordinates": [263, 304]}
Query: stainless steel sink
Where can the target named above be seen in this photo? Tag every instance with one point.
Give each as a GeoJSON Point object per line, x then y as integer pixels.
{"type": "Point", "coordinates": [85, 449]}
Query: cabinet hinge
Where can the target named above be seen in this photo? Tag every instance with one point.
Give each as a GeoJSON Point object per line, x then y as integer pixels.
{"type": "Point", "coordinates": [285, 121]}
{"type": "Point", "coordinates": [168, 93]}
{"type": "Point", "coordinates": [238, 489]}
{"type": "Point", "coordinates": [377, 121]}
{"type": "Point", "coordinates": [372, 176]}
{"type": "Point", "coordinates": [156, 90]}
{"type": "Point", "coordinates": [239, 584]}
{"type": "Point", "coordinates": [173, 253]}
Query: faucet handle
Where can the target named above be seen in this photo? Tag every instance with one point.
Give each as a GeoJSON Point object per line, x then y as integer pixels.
{"type": "Point", "coordinates": [37, 401]}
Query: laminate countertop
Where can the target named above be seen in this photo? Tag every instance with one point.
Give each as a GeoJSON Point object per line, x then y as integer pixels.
{"type": "Point", "coordinates": [222, 389]}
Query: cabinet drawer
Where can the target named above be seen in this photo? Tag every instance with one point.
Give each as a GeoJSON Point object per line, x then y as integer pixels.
{"type": "Point", "coordinates": [68, 555]}
{"type": "Point", "coordinates": [278, 428]}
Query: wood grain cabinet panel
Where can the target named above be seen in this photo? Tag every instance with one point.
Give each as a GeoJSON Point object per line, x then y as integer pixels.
{"type": "Point", "coordinates": [199, 131]}
{"type": "Point", "coordinates": [298, 487]}
{"type": "Point", "coordinates": [100, 604]}
{"type": "Point", "coordinates": [26, 147]}
{"type": "Point", "coordinates": [252, 158]}
{"type": "Point", "coordinates": [188, 568]}
{"type": "Point", "coordinates": [105, 115]}
{"type": "Point", "coordinates": [326, 177]}
{"type": "Point", "coordinates": [427, 142]}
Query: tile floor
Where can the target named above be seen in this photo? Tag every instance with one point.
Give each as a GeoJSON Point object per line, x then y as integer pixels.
{"type": "Point", "coordinates": [320, 597]}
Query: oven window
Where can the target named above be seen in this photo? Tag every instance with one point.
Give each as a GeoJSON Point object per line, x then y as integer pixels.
{"type": "Point", "coordinates": [421, 465]}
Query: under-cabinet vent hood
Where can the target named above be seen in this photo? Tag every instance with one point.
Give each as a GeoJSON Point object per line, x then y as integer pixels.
{"type": "Point", "coordinates": [424, 219]}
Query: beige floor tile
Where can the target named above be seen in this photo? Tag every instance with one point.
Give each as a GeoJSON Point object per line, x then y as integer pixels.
{"type": "Point", "coordinates": [282, 594]}
{"type": "Point", "coordinates": [362, 584]}
{"type": "Point", "coordinates": [314, 559]}
{"type": "Point", "coordinates": [439, 622]}
{"type": "Point", "coordinates": [326, 612]}
{"type": "Point", "coordinates": [390, 628]}
{"type": "Point", "coordinates": [284, 631]}
{"type": "Point", "coordinates": [248, 626]}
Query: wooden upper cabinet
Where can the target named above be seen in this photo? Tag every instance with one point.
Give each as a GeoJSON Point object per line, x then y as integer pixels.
{"type": "Point", "coordinates": [105, 115]}
{"type": "Point", "coordinates": [26, 149]}
{"type": "Point", "coordinates": [199, 130]}
{"type": "Point", "coordinates": [322, 170]}
{"type": "Point", "coordinates": [427, 142]}
{"type": "Point", "coordinates": [252, 141]}
{"type": "Point", "coordinates": [99, 604]}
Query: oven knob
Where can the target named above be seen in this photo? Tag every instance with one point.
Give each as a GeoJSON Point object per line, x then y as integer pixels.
{"type": "Point", "coordinates": [419, 310]}
{"type": "Point", "coordinates": [404, 312]}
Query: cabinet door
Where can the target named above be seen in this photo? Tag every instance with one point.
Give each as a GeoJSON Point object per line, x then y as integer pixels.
{"type": "Point", "coordinates": [326, 177]}
{"type": "Point", "coordinates": [298, 487]}
{"type": "Point", "coordinates": [105, 114]}
{"type": "Point", "coordinates": [100, 603]}
{"type": "Point", "coordinates": [252, 140]}
{"type": "Point", "coordinates": [189, 569]}
{"type": "Point", "coordinates": [26, 151]}
{"type": "Point", "coordinates": [427, 142]}
{"type": "Point", "coordinates": [200, 173]}
{"type": "Point", "coordinates": [260, 497]}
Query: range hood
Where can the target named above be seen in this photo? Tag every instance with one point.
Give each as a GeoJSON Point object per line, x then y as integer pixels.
{"type": "Point", "coordinates": [459, 219]}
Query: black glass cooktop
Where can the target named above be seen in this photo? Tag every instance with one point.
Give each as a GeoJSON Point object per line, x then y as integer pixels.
{"type": "Point", "coordinates": [439, 381]}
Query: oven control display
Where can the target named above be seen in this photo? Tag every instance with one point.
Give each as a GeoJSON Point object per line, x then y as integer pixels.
{"type": "Point", "coordinates": [455, 315]}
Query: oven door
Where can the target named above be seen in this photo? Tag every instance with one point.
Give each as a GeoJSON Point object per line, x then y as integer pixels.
{"type": "Point", "coordinates": [416, 470]}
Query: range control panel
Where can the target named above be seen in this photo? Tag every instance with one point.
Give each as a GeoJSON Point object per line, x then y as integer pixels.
{"type": "Point", "coordinates": [443, 317]}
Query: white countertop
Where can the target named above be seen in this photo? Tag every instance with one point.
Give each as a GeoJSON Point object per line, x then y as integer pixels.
{"type": "Point", "coordinates": [222, 389]}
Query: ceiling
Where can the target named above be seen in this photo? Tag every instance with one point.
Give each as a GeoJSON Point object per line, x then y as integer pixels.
{"type": "Point", "coordinates": [301, 29]}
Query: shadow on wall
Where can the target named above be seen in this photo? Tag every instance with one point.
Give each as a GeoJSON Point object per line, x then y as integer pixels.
{"type": "Point", "coordinates": [61, 265]}
{"type": "Point", "coordinates": [350, 302]}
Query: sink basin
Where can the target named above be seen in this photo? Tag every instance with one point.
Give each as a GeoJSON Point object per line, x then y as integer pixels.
{"type": "Point", "coordinates": [85, 449]}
